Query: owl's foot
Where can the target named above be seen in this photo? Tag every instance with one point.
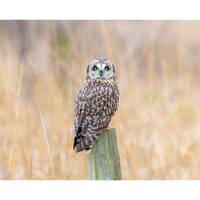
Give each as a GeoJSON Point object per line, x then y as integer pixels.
{"type": "Point", "coordinates": [87, 151]}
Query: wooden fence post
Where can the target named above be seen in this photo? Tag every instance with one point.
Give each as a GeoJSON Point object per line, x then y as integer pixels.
{"type": "Point", "coordinates": [104, 160]}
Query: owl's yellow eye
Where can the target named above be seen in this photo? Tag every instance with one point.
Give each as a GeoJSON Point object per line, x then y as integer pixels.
{"type": "Point", "coordinates": [107, 68]}
{"type": "Point", "coordinates": [95, 68]}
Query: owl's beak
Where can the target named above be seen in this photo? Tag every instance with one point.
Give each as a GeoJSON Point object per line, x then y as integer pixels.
{"type": "Point", "coordinates": [101, 73]}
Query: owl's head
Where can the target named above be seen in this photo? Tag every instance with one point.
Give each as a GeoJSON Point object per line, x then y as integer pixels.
{"type": "Point", "coordinates": [101, 68]}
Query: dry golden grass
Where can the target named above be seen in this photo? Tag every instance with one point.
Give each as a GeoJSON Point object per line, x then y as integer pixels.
{"type": "Point", "coordinates": [42, 64]}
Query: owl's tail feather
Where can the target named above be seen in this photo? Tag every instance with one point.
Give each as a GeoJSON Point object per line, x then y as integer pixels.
{"type": "Point", "coordinates": [84, 143]}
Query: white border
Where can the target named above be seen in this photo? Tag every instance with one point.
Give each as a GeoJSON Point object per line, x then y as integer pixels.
{"type": "Point", "coordinates": [102, 9]}
{"type": "Point", "coordinates": [99, 190]}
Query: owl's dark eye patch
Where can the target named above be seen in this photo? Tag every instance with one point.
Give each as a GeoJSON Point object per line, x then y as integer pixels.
{"type": "Point", "coordinates": [94, 68]}
{"type": "Point", "coordinates": [107, 68]}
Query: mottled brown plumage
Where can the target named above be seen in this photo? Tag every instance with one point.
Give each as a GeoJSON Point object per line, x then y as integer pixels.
{"type": "Point", "coordinates": [96, 102]}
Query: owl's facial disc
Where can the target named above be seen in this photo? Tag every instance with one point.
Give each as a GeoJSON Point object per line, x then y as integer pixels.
{"type": "Point", "coordinates": [101, 70]}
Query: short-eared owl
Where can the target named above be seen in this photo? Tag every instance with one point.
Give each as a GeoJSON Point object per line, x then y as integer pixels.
{"type": "Point", "coordinates": [96, 102]}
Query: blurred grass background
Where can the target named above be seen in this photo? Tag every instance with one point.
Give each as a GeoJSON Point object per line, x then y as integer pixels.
{"type": "Point", "coordinates": [43, 63]}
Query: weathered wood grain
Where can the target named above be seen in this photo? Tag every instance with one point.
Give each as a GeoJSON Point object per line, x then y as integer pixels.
{"type": "Point", "coordinates": [104, 160]}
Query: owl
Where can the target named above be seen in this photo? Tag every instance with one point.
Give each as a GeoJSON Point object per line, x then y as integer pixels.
{"type": "Point", "coordinates": [95, 103]}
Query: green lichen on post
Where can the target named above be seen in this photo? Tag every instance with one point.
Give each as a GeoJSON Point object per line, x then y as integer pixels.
{"type": "Point", "coordinates": [104, 160]}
